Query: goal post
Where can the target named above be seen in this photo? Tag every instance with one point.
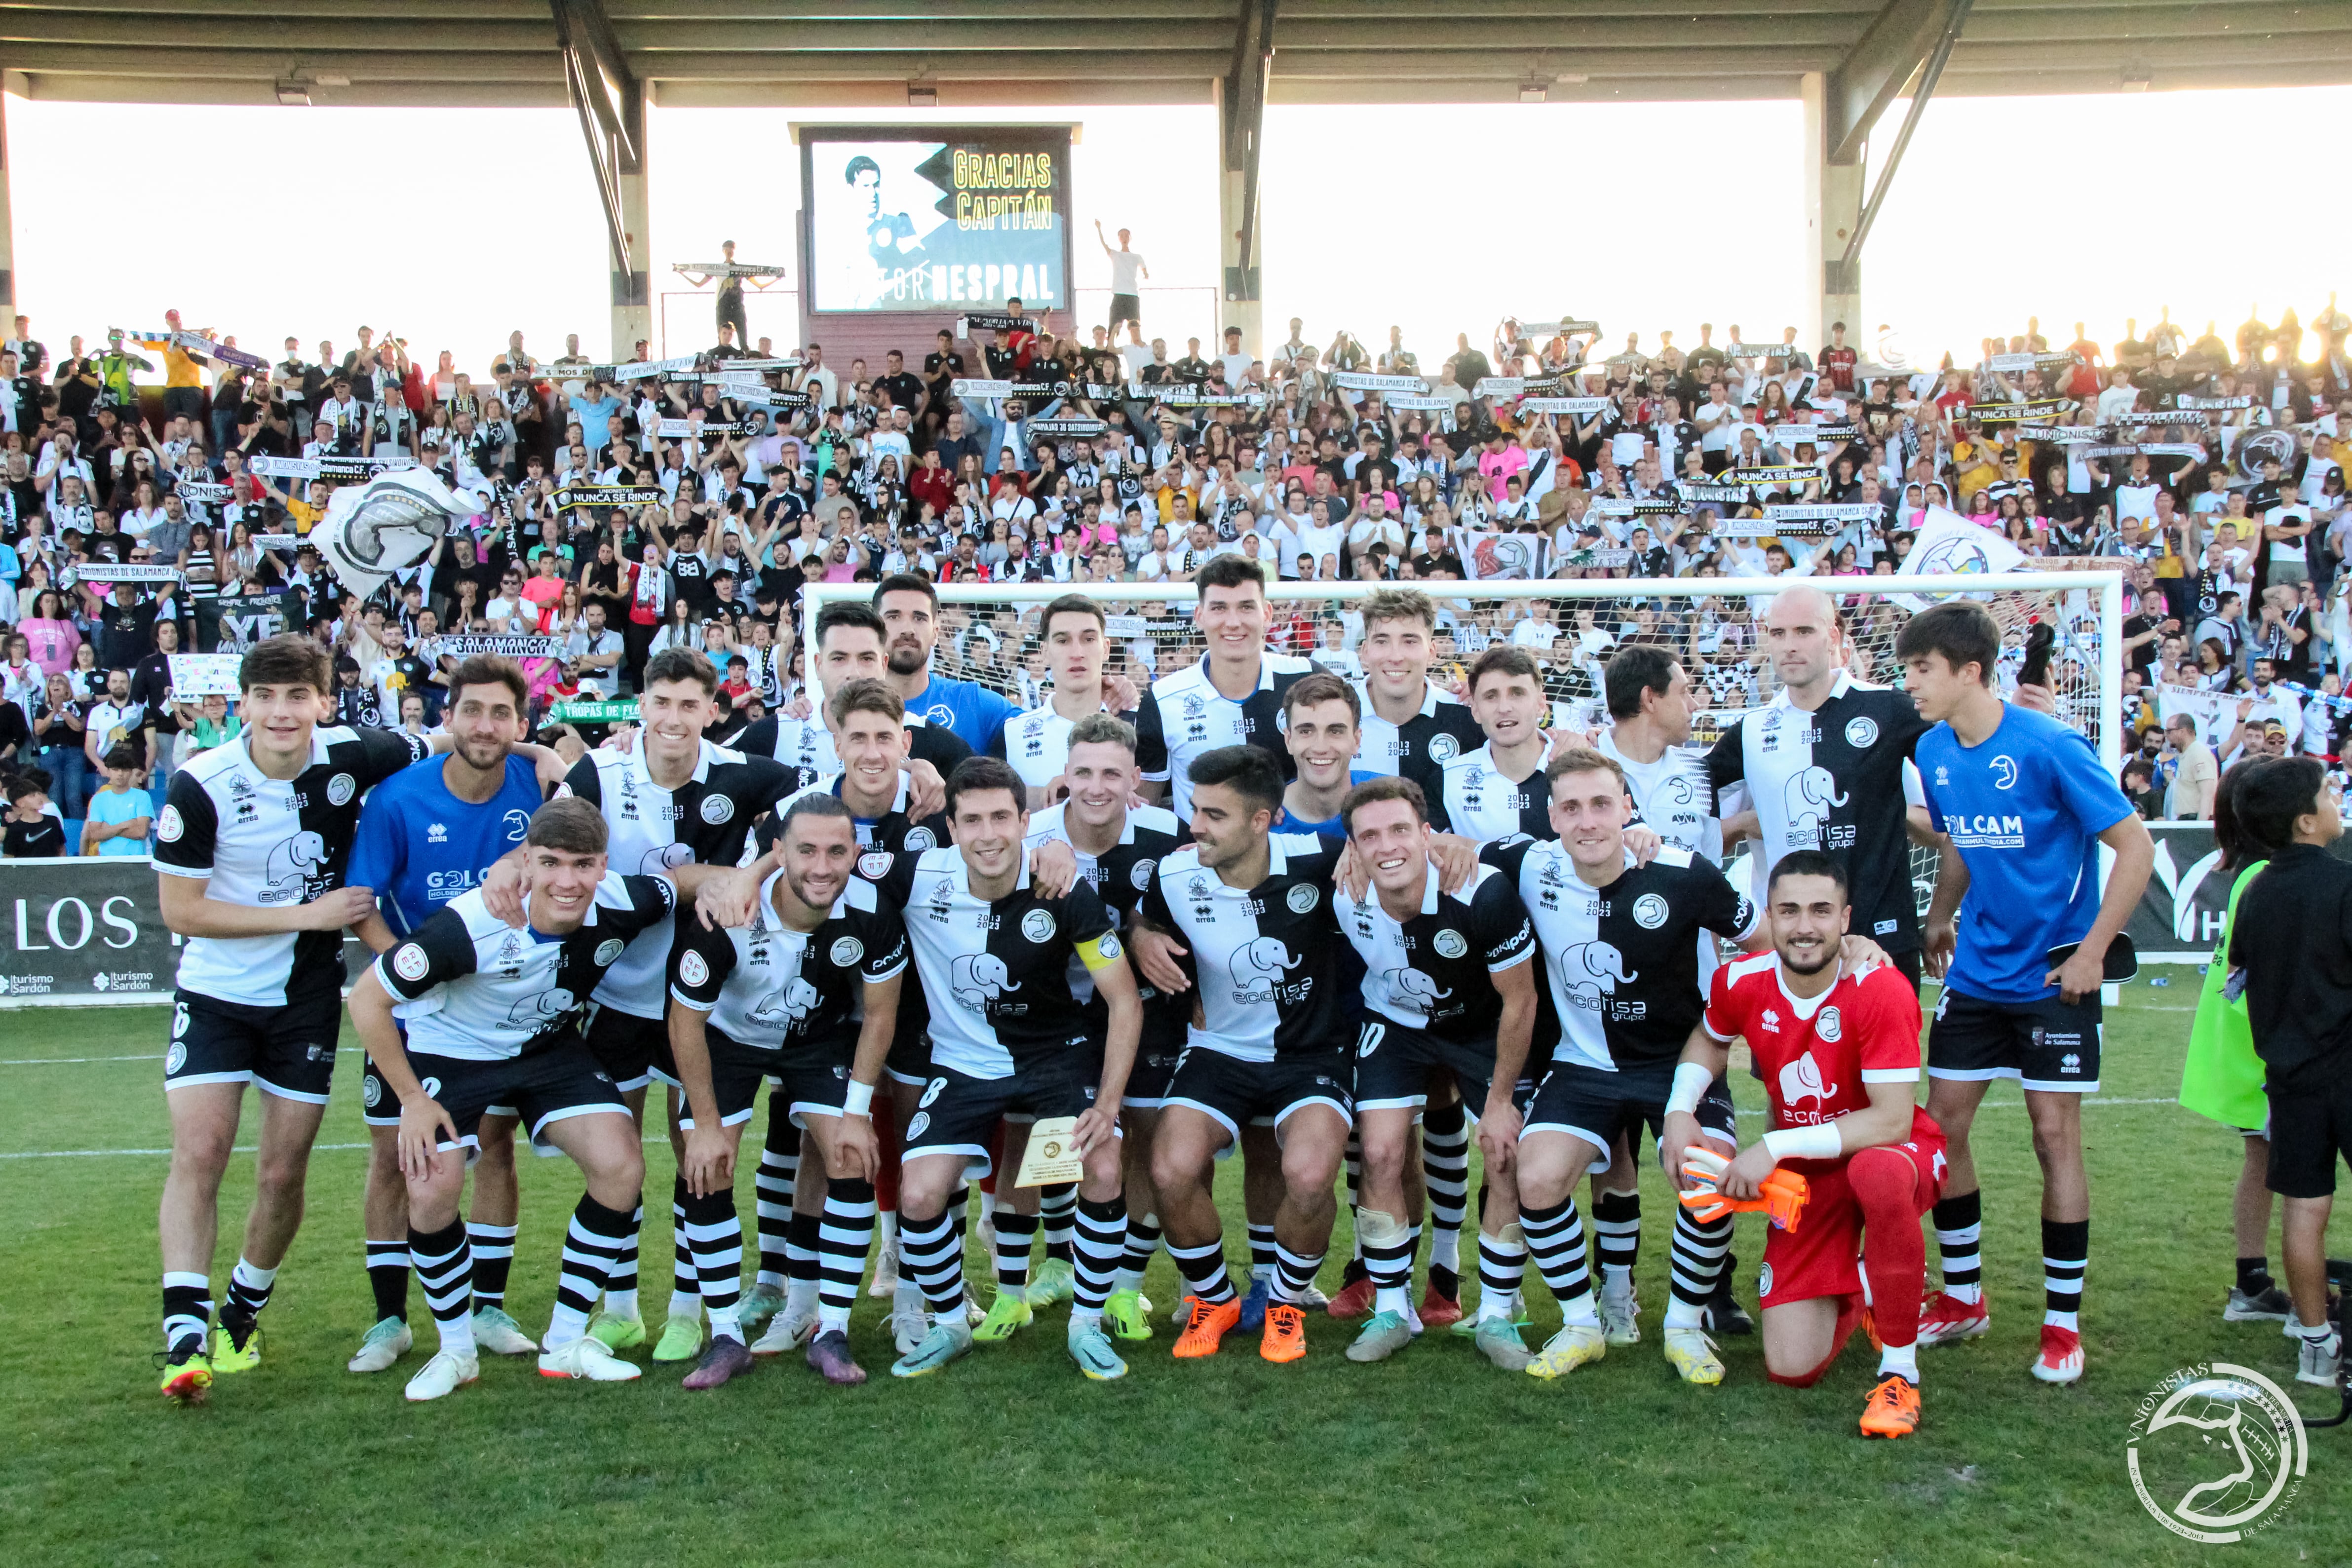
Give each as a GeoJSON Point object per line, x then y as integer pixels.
{"type": "Point", "coordinates": [988, 632]}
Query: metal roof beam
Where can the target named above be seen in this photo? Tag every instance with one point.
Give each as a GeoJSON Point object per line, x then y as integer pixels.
{"type": "Point", "coordinates": [1875, 70]}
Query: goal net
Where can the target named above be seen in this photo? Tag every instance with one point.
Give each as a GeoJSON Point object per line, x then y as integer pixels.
{"type": "Point", "coordinates": [989, 632]}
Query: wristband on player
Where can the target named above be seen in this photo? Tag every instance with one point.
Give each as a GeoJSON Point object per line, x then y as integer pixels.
{"type": "Point", "coordinates": [1819, 1141]}
{"type": "Point", "coordinates": [858, 1099]}
{"type": "Point", "coordinates": [1691, 1083]}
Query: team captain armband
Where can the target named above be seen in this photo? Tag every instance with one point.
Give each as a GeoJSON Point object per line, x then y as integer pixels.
{"type": "Point", "coordinates": [1101, 953]}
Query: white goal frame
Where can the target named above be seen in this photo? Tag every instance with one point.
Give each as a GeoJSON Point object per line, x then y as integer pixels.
{"type": "Point", "coordinates": [2106, 587]}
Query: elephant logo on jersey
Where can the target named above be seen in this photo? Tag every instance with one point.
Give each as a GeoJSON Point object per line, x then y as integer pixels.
{"type": "Point", "coordinates": [788, 1007]}
{"type": "Point", "coordinates": [291, 864]}
{"type": "Point", "coordinates": [1802, 1080]}
{"type": "Point", "coordinates": [980, 979]}
{"type": "Point", "coordinates": [1592, 970]}
{"type": "Point", "coordinates": [1254, 963]}
{"type": "Point", "coordinates": [545, 1007]}
{"type": "Point", "coordinates": [1415, 987]}
{"type": "Point", "coordinates": [1811, 793]}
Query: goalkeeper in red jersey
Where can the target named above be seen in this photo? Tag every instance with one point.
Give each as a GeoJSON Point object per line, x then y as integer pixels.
{"type": "Point", "coordinates": [1838, 1049]}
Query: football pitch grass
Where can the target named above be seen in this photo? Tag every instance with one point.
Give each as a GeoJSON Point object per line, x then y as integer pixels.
{"type": "Point", "coordinates": [1010, 1456]}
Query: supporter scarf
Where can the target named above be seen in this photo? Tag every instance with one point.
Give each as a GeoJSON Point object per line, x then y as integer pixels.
{"type": "Point", "coordinates": [2135, 420]}
{"type": "Point", "coordinates": [1581, 407]}
{"type": "Point", "coordinates": [1773, 474]}
{"type": "Point", "coordinates": [2184, 449]}
{"type": "Point", "coordinates": [1083, 429]}
{"type": "Point", "coordinates": [640, 370]}
{"type": "Point", "coordinates": [975, 387]}
{"type": "Point", "coordinates": [726, 270]}
{"type": "Point", "coordinates": [1562, 329]}
{"type": "Point", "coordinates": [125, 571]}
{"type": "Point", "coordinates": [680, 429]}
{"type": "Point", "coordinates": [202, 492]}
{"type": "Point", "coordinates": [2018, 413]}
{"type": "Point", "coordinates": [2186, 400]}
{"type": "Point", "coordinates": [994, 320]}
{"type": "Point", "coordinates": [458, 645]}
{"type": "Point", "coordinates": [1429, 404]}
{"type": "Point", "coordinates": [1820, 520]}
{"type": "Point", "coordinates": [2060, 434]}
{"type": "Point", "coordinates": [1714, 494]}
{"type": "Point", "coordinates": [1364, 380]}
{"type": "Point", "coordinates": [571, 497]}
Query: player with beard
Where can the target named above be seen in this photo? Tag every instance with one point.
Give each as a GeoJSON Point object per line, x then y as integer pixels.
{"type": "Point", "coordinates": [909, 607]}
{"type": "Point", "coordinates": [849, 643]}
{"type": "Point", "coordinates": [869, 735]}
{"type": "Point", "coordinates": [1233, 697]}
{"type": "Point", "coordinates": [1838, 1049]}
{"type": "Point", "coordinates": [429, 833]}
{"type": "Point", "coordinates": [1251, 913]}
{"type": "Point", "coordinates": [804, 995]}
{"type": "Point", "coordinates": [849, 646]}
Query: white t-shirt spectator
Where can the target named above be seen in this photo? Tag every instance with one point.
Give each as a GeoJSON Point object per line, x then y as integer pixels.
{"type": "Point", "coordinates": [1125, 264]}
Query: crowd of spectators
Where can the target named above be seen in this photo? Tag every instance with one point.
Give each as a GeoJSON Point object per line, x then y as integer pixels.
{"type": "Point", "coordinates": [637, 506]}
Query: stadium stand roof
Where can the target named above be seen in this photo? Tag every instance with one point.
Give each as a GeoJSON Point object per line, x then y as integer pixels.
{"type": "Point", "coordinates": [790, 53]}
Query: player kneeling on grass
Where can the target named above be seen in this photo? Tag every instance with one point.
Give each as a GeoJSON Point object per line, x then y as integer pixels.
{"type": "Point", "coordinates": [808, 984]}
{"type": "Point", "coordinates": [1838, 1049]}
{"type": "Point", "coordinates": [1009, 1041]}
{"type": "Point", "coordinates": [1449, 989]}
{"type": "Point", "coordinates": [493, 1019]}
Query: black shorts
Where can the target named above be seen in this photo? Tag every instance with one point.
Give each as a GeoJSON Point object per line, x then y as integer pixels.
{"type": "Point", "coordinates": [1124, 307]}
{"type": "Point", "coordinates": [632, 1051]}
{"type": "Point", "coordinates": [909, 1059]}
{"type": "Point", "coordinates": [1588, 1104]}
{"type": "Point", "coordinates": [958, 1113]}
{"type": "Point", "coordinates": [288, 1051]}
{"type": "Point", "coordinates": [380, 1108]}
{"type": "Point", "coordinates": [1147, 1080]}
{"type": "Point", "coordinates": [544, 1087]}
{"type": "Point", "coordinates": [1235, 1093]}
{"type": "Point", "coordinates": [1394, 1062]}
{"type": "Point", "coordinates": [2046, 1045]}
{"type": "Point", "coordinates": [2310, 1129]}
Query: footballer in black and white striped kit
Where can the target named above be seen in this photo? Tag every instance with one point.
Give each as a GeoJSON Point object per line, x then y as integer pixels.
{"type": "Point", "coordinates": [1409, 728]}
{"type": "Point", "coordinates": [1009, 1041]}
{"type": "Point", "coordinates": [1496, 791]}
{"type": "Point", "coordinates": [1233, 697]}
{"type": "Point", "coordinates": [1251, 911]}
{"type": "Point", "coordinates": [1621, 963]}
{"type": "Point", "coordinates": [493, 1016]}
{"type": "Point", "coordinates": [804, 996]}
{"type": "Point", "coordinates": [1448, 989]}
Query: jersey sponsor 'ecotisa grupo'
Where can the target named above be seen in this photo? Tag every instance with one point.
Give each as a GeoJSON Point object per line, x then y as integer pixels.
{"type": "Point", "coordinates": [1265, 961]}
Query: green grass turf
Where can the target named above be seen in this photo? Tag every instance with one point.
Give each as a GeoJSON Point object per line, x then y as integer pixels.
{"type": "Point", "coordinates": [1431, 1458]}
